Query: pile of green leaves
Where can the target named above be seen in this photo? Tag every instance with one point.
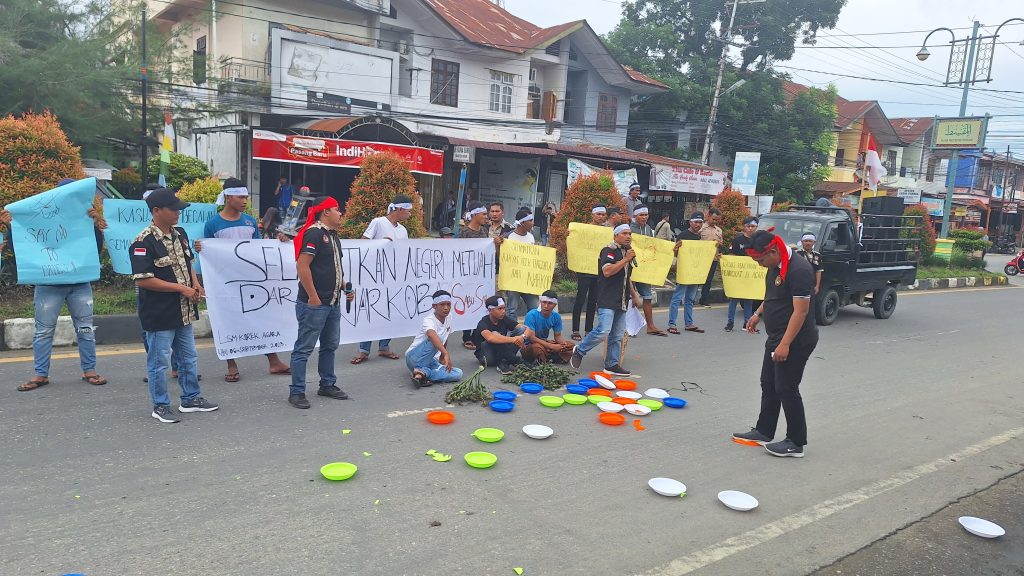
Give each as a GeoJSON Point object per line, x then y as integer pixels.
{"type": "Point", "coordinates": [549, 376]}
{"type": "Point", "coordinates": [469, 390]}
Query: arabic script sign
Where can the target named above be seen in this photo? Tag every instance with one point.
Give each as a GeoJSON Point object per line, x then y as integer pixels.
{"type": "Point", "coordinates": [960, 132]}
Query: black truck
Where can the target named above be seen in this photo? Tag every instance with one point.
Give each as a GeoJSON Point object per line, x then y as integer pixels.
{"type": "Point", "coordinates": [862, 268]}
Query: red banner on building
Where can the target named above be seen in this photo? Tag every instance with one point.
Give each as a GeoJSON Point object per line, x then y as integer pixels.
{"type": "Point", "coordinates": [268, 145]}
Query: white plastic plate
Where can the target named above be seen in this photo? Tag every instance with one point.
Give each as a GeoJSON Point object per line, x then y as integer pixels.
{"type": "Point", "coordinates": [980, 527]}
{"type": "Point", "coordinates": [629, 394]}
{"type": "Point", "coordinates": [537, 431]}
{"type": "Point", "coordinates": [738, 500]}
{"type": "Point", "coordinates": [604, 382]}
{"type": "Point", "coordinates": [638, 410]}
{"type": "Point", "coordinates": [667, 486]}
{"type": "Point", "coordinates": [656, 393]}
{"type": "Point", "coordinates": [610, 407]}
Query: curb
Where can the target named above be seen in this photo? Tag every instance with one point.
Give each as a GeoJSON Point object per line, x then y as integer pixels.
{"type": "Point", "coordinates": [963, 282]}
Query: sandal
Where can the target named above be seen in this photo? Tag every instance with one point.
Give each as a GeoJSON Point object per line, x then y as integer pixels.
{"type": "Point", "coordinates": [656, 333]}
{"type": "Point", "coordinates": [95, 380]}
{"type": "Point", "coordinates": [388, 354]}
{"type": "Point", "coordinates": [33, 384]}
{"type": "Point", "coordinates": [694, 329]}
{"type": "Point", "coordinates": [673, 330]}
{"type": "Point", "coordinates": [576, 336]}
{"type": "Point", "coordinates": [418, 378]}
{"type": "Point", "coordinates": [469, 346]}
{"type": "Point", "coordinates": [359, 358]}
{"type": "Point", "coordinates": [232, 377]}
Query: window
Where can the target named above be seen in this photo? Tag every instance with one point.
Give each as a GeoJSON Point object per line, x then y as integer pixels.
{"type": "Point", "coordinates": [890, 162]}
{"type": "Point", "coordinates": [199, 61]}
{"type": "Point", "coordinates": [501, 92]}
{"type": "Point", "coordinates": [929, 176]}
{"type": "Point", "coordinates": [607, 112]}
{"type": "Point", "coordinates": [837, 238]}
{"type": "Point", "coordinates": [840, 153]}
{"type": "Point", "coordinates": [444, 83]}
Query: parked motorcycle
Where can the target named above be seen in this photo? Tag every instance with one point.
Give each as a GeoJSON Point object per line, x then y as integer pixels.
{"type": "Point", "coordinates": [1004, 245]}
{"type": "Point", "coordinates": [1013, 267]}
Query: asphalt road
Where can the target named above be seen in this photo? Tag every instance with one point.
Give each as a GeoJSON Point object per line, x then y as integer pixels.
{"type": "Point", "coordinates": [906, 417]}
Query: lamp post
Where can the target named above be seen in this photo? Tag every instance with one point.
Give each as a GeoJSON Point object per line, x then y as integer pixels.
{"type": "Point", "coordinates": [970, 61]}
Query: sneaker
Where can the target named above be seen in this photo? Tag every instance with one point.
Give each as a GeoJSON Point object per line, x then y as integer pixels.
{"type": "Point", "coordinates": [729, 327]}
{"type": "Point", "coordinates": [165, 414]}
{"type": "Point", "coordinates": [298, 400]}
{"type": "Point", "coordinates": [754, 435]}
{"type": "Point", "coordinates": [577, 359]}
{"type": "Point", "coordinates": [504, 369]}
{"type": "Point", "coordinates": [785, 448]}
{"type": "Point", "coordinates": [706, 305]}
{"type": "Point", "coordinates": [198, 405]}
{"type": "Point", "coordinates": [618, 370]}
{"type": "Point", "coordinates": [332, 392]}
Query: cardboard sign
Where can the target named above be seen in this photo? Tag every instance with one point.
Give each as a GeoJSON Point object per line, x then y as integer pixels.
{"type": "Point", "coordinates": [742, 277]}
{"type": "Point", "coordinates": [583, 246]}
{"type": "Point", "coordinates": [526, 268]}
{"type": "Point", "coordinates": [694, 263]}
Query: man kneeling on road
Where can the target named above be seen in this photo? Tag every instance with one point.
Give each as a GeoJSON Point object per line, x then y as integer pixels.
{"type": "Point", "coordinates": [427, 356]}
{"type": "Point", "coordinates": [544, 322]}
{"type": "Point", "coordinates": [500, 338]}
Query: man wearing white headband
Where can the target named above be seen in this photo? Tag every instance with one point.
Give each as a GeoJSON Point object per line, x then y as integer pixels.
{"type": "Point", "coordinates": [547, 326]}
{"type": "Point", "coordinates": [813, 256]}
{"type": "Point", "coordinates": [521, 233]}
{"type": "Point", "coordinates": [586, 293]}
{"type": "Point", "coordinates": [232, 222]}
{"type": "Point", "coordinates": [476, 227]}
{"type": "Point", "coordinates": [499, 338]}
{"type": "Point", "coordinates": [633, 199]}
{"type": "Point", "coordinates": [640, 227]}
{"type": "Point", "coordinates": [685, 294]}
{"type": "Point", "coordinates": [427, 356]}
{"type": "Point", "coordinates": [386, 228]}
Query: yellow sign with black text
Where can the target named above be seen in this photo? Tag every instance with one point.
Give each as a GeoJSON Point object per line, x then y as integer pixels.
{"type": "Point", "coordinates": [694, 263]}
{"type": "Point", "coordinates": [653, 259]}
{"type": "Point", "coordinates": [526, 268]}
{"type": "Point", "coordinates": [742, 277]}
{"type": "Point", "coordinates": [583, 246]}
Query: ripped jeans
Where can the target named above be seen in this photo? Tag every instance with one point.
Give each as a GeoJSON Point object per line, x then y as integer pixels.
{"type": "Point", "coordinates": [48, 301]}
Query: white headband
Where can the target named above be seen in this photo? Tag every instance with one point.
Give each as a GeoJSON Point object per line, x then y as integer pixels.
{"type": "Point", "coordinates": [599, 210]}
{"type": "Point", "coordinates": [524, 219]}
{"type": "Point", "coordinates": [474, 211]}
{"type": "Point", "coordinates": [621, 228]}
{"type": "Point", "coordinates": [807, 236]}
{"type": "Point", "coordinates": [240, 191]}
{"type": "Point", "coordinates": [501, 302]}
{"type": "Point", "coordinates": [544, 298]}
{"type": "Point", "coordinates": [403, 206]}
{"type": "Point", "coordinates": [442, 299]}
{"type": "Point", "coordinates": [640, 210]}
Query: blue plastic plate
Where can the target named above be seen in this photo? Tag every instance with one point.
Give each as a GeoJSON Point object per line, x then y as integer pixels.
{"type": "Point", "coordinates": [531, 388]}
{"type": "Point", "coordinates": [673, 402]}
{"type": "Point", "coordinates": [505, 395]}
{"type": "Point", "coordinates": [502, 406]}
{"type": "Point", "coordinates": [588, 382]}
{"type": "Point", "coordinates": [577, 389]}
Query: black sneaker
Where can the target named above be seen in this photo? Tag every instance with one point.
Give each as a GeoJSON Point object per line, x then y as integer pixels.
{"type": "Point", "coordinates": [165, 414]}
{"type": "Point", "coordinates": [332, 392]}
{"type": "Point", "coordinates": [785, 448]}
{"type": "Point", "coordinates": [729, 327]}
{"type": "Point", "coordinates": [198, 405]}
{"type": "Point", "coordinates": [504, 369]}
{"type": "Point", "coordinates": [618, 370]}
{"type": "Point", "coordinates": [577, 359]}
{"type": "Point", "coordinates": [298, 400]}
{"type": "Point", "coordinates": [754, 435]}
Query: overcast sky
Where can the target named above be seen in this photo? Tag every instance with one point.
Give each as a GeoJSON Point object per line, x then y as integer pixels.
{"type": "Point", "coordinates": [860, 24]}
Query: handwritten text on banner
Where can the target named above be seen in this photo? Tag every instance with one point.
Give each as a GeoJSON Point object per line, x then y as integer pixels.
{"type": "Point", "coordinates": [126, 219]}
{"type": "Point", "coordinates": [695, 258]}
{"type": "Point", "coordinates": [653, 258]}
{"type": "Point", "coordinates": [742, 277]}
{"type": "Point", "coordinates": [526, 268]}
{"type": "Point", "coordinates": [583, 246]}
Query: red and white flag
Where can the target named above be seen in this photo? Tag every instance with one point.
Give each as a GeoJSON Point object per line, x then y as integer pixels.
{"type": "Point", "coordinates": [873, 168]}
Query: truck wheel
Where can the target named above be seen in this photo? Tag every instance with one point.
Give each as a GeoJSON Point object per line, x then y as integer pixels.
{"type": "Point", "coordinates": [828, 308]}
{"type": "Point", "coordinates": [884, 302]}
{"type": "Point", "coordinates": [1010, 270]}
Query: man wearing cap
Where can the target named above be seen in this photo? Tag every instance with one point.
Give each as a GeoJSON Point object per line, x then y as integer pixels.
{"type": "Point", "coordinates": [386, 228]}
{"type": "Point", "coordinates": [499, 339]}
{"type": "Point", "coordinates": [546, 324]}
{"type": "Point", "coordinates": [712, 232]}
{"type": "Point", "coordinates": [521, 233]}
{"type": "Point", "coordinates": [586, 291]}
{"type": "Point", "coordinates": [633, 199]}
{"type": "Point", "coordinates": [641, 214]}
{"type": "Point", "coordinates": [168, 293]}
{"type": "Point", "coordinates": [614, 288]}
{"type": "Point", "coordinates": [740, 243]}
{"type": "Point", "coordinates": [427, 356]}
{"type": "Point", "coordinates": [685, 293]}
{"type": "Point", "coordinates": [233, 223]}
{"type": "Point", "coordinates": [792, 337]}
{"type": "Point", "coordinates": [446, 232]}
{"type": "Point", "coordinates": [318, 305]}
{"type": "Point", "coordinates": [813, 258]}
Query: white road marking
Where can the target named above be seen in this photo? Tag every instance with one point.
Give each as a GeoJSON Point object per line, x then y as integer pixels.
{"type": "Point", "coordinates": [772, 530]}
{"type": "Point", "coordinates": [398, 413]}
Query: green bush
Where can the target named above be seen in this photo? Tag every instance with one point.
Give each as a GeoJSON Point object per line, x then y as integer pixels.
{"type": "Point", "coordinates": [968, 241]}
{"type": "Point", "coordinates": [128, 182]}
{"type": "Point", "coordinates": [183, 170]}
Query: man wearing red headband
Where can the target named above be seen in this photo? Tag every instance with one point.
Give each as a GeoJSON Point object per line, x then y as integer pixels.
{"type": "Point", "coordinates": [792, 336]}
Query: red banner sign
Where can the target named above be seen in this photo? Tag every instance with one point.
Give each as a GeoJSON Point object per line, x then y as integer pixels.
{"type": "Point", "coordinates": [268, 145]}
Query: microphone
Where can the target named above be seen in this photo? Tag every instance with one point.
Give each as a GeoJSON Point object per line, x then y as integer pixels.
{"type": "Point", "coordinates": [348, 303]}
{"type": "Point", "coordinates": [632, 263]}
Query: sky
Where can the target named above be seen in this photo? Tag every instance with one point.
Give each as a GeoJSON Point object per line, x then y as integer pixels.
{"type": "Point", "coordinates": [867, 24]}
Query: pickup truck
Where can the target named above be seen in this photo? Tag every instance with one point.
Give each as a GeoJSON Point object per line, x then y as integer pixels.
{"type": "Point", "coordinates": [863, 269]}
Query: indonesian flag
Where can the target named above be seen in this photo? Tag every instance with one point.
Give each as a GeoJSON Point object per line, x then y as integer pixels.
{"type": "Point", "coordinates": [873, 168]}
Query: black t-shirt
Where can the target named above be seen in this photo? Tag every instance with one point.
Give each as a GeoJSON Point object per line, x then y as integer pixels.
{"type": "Point", "coordinates": [778, 301]}
{"type": "Point", "coordinates": [325, 247]}
{"type": "Point", "coordinates": [505, 327]}
{"type": "Point", "coordinates": [166, 257]}
{"type": "Point", "coordinates": [613, 291]}
{"type": "Point", "coordinates": [740, 243]}
{"type": "Point", "coordinates": [814, 257]}
{"type": "Point", "coordinates": [689, 235]}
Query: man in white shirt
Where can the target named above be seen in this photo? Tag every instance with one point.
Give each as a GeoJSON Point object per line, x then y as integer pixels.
{"type": "Point", "coordinates": [427, 356]}
{"type": "Point", "coordinates": [386, 228]}
{"type": "Point", "coordinates": [521, 233]}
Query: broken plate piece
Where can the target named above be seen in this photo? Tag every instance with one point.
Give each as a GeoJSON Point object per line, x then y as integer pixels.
{"type": "Point", "coordinates": [438, 457]}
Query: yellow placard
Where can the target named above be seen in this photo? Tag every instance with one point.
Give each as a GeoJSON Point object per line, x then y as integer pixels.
{"type": "Point", "coordinates": [526, 268]}
{"type": "Point", "coordinates": [695, 258]}
{"type": "Point", "coordinates": [653, 258]}
{"type": "Point", "coordinates": [583, 246]}
{"type": "Point", "coordinates": [742, 277]}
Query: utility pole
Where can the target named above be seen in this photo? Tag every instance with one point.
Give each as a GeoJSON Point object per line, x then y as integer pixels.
{"type": "Point", "coordinates": [143, 169]}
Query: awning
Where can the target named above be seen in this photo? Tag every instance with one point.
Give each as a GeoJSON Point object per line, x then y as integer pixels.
{"type": "Point", "coordinates": [298, 149]}
{"type": "Point", "coordinates": [497, 147]}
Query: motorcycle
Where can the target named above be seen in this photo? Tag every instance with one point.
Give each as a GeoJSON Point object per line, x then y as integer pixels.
{"type": "Point", "coordinates": [1004, 245]}
{"type": "Point", "coordinates": [1013, 267]}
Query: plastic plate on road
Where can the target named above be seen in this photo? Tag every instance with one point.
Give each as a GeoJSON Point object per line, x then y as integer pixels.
{"type": "Point", "coordinates": [537, 431]}
{"type": "Point", "coordinates": [502, 406]}
{"type": "Point", "coordinates": [481, 459]}
{"type": "Point", "coordinates": [574, 399]}
{"type": "Point", "coordinates": [505, 395]}
{"type": "Point", "coordinates": [611, 418]}
{"type": "Point", "coordinates": [673, 402]}
{"type": "Point", "coordinates": [604, 382]}
{"type": "Point", "coordinates": [628, 394]}
{"type": "Point", "coordinates": [531, 387]}
{"type": "Point", "coordinates": [625, 385]}
{"type": "Point", "coordinates": [738, 500]}
{"type": "Point", "coordinates": [588, 382]}
{"type": "Point", "coordinates": [638, 410]}
{"type": "Point", "coordinates": [440, 417]}
{"type": "Point", "coordinates": [338, 470]}
{"type": "Point", "coordinates": [981, 527]}
{"type": "Point", "coordinates": [652, 404]}
{"type": "Point", "coordinates": [610, 407]}
{"type": "Point", "coordinates": [551, 401]}
{"type": "Point", "coordinates": [667, 486]}
{"type": "Point", "coordinates": [598, 399]}
{"type": "Point", "coordinates": [488, 434]}
{"type": "Point", "coordinates": [657, 393]}
{"type": "Point", "coordinates": [577, 388]}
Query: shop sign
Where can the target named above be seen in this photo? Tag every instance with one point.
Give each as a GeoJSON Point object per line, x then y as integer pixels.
{"type": "Point", "coordinates": [267, 145]}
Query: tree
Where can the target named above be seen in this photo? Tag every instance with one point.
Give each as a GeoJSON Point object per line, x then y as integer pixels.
{"type": "Point", "coordinates": [183, 169]}
{"type": "Point", "coordinates": [924, 231]}
{"type": "Point", "coordinates": [203, 190]}
{"type": "Point", "coordinates": [35, 155]}
{"type": "Point", "coordinates": [733, 206]}
{"type": "Point", "coordinates": [381, 177]}
{"type": "Point", "coordinates": [580, 198]}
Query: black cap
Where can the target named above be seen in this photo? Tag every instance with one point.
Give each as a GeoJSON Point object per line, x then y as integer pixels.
{"type": "Point", "coordinates": [697, 216]}
{"type": "Point", "coordinates": [165, 198]}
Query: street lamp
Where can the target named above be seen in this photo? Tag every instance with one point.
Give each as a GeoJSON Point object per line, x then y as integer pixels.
{"type": "Point", "coordinates": [970, 61]}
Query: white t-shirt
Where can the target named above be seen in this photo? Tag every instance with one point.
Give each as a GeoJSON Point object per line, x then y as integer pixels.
{"type": "Point", "coordinates": [382, 229]}
{"type": "Point", "coordinates": [527, 239]}
{"type": "Point", "coordinates": [430, 322]}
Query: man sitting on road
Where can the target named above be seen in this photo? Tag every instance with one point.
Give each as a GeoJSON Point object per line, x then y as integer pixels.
{"type": "Point", "coordinates": [500, 338]}
{"type": "Point", "coordinates": [427, 356]}
{"type": "Point", "coordinates": [546, 324]}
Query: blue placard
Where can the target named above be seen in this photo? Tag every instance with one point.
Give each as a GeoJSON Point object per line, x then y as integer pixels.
{"type": "Point", "coordinates": [54, 238]}
{"type": "Point", "coordinates": [126, 219]}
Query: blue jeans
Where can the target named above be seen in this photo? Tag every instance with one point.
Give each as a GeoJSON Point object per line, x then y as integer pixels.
{"type": "Point", "coordinates": [748, 310]}
{"type": "Point", "coordinates": [382, 346]}
{"type": "Point", "coordinates": [315, 322]}
{"type": "Point", "coordinates": [422, 358]}
{"type": "Point", "coordinates": [48, 301]}
{"type": "Point", "coordinates": [157, 357]}
{"type": "Point", "coordinates": [687, 294]}
{"type": "Point", "coordinates": [512, 300]}
{"type": "Point", "coordinates": [610, 324]}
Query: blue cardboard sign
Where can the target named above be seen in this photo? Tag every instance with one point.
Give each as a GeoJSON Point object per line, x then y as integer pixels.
{"type": "Point", "coordinates": [126, 219]}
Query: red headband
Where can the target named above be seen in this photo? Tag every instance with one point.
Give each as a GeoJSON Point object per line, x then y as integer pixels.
{"type": "Point", "coordinates": [311, 216]}
{"type": "Point", "coordinates": [778, 243]}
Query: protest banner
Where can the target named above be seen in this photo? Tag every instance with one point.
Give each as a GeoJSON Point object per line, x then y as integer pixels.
{"type": "Point", "coordinates": [695, 258]}
{"type": "Point", "coordinates": [526, 268]}
{"type": "Point", "coordinates": [251, 288]}
{"type": "Point", "coordinates": [653, 259]}
{"type": "Point", "coordinates": [126, 219]}
{"type": "Point", "coordinates": [622, 178]}
{"type": "Point", "coordinates": [583, 246]}
{"type": "Point", "coordinates": [742, 277]}
{"type": "Point", "coordinates": [54, 237]}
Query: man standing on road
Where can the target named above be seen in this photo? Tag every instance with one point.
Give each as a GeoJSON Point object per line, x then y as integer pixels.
{"type": "Point", "coordinates": [586, 289]}
{"type": "Point", "coordinates": [686, 294]}
{"type": "Point", "coordinates": [168, 294]}
{"type": "Point", "coordinates": [232, 222]}
{"type": "Point", "coordinates": [499, 339]}
{"type": "Point", "coordinates": [713, 232]}
{"type": "Point", "coordinates": [740, 243]}
{"type": "Point", "coordinates": [521, 233]}
{"type": "Point", "coordinates": [499, 228]}
{"type": "Point", "coordinates": [283, 193]}
{"type": "Point", "coordinates": [614, 289]}
{"type": "Point", "coordinates": [792, 336]}
{"type": "Point", "coordinates": [547, 342]}
{"type": "Point", "coordinates": [386, 228]}
{"type": "Point", "coordinates": [318, 306]}
{"type": "Point", "coordinates": [646, 291]}
{"type": "Point", "coordinates": [427, 356]}
{"type": "Point", "coordinates": [813, 257]}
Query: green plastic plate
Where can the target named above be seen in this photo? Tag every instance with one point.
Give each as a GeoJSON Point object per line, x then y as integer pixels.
{"type": "Point", "coordinates": [338, 470]}
{"type": "Point", "coordinates": [654, 405]}
{"type": "Point", "coordinates": [481, 459]}
{"type": "Point", "coordinates": [488, 434]}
